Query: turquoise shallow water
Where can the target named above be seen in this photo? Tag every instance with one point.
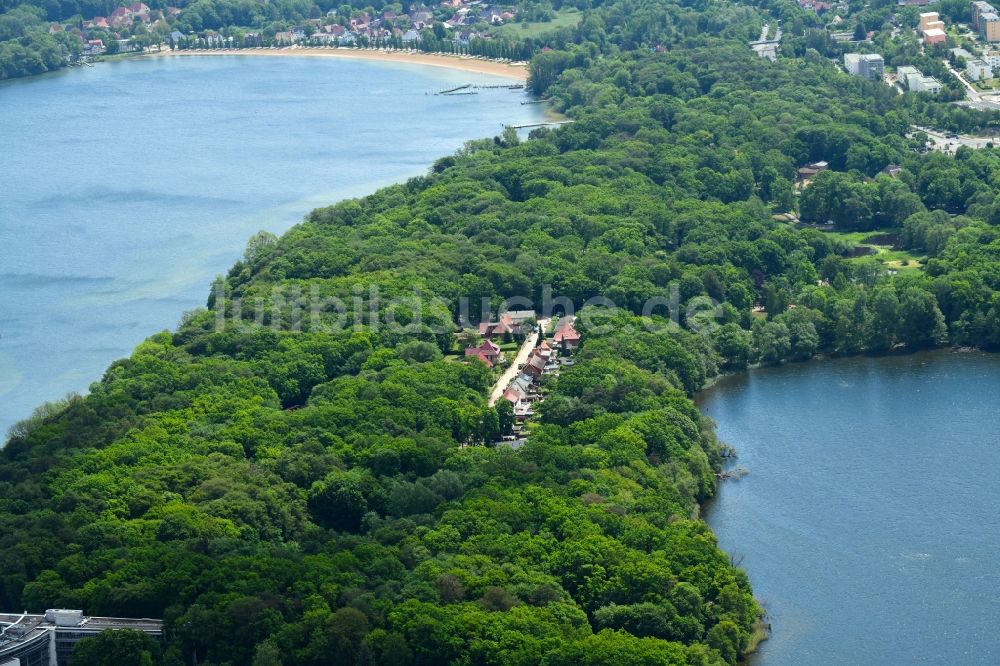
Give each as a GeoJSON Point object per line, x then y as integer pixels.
{"type": "Point", "coordinates": [868, 523]}
{"type": "Point", "coordinates": [128, 186]}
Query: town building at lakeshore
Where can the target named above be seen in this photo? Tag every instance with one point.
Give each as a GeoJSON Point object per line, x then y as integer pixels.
{"type": "Point", "coordinates": [49, 639]}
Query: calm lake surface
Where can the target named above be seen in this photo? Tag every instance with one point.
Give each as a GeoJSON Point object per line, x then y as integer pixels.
{"type": "Point", "coordinates": [869, 521]}
{"type": "Point", "coordinates": [128, 186]}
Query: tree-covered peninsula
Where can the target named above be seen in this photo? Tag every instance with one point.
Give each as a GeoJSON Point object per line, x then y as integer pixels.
{"type": "Point", "coordinates": [291, 484]}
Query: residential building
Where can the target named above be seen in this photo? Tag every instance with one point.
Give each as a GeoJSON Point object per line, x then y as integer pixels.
{"type": "Point", "coordinates": [535, 367]}
{"type": "Point", "coordinates": [566, 336]}
{"type": "Point", "coordinates": [935, 36]}
{"type": "Point", "coordinates": [48, 640]}
{"type": "Point", "coordinates": [915, 81]}
{"type": "Point", "coordinates": [986, 21]}
{"type": "Point", "coordinates": [992, 58]}
{"type": "Point", "coordinates": [962, 53]}
{"type": "Point", "coordinates": [121, 17]}
{"type": "Point", "coordinates": [487, 351]}
{"type": "Point", "coordinates": [978, 9]}
{"type": "Point", "coordinates": [518, 317]}
{"type": "Point", "coordinates": [866, 65]}
{"type": "Point", "coordinates": [509, 324]}
{"type": "Point", "coordinates": [978, 70]}
{"type": "Point", "coordinates": [989, 27]}
{"type": "Point", "coordinates": [140, 11]}
{"type": "Point", "coordinates": [808, 172]}
{"type": "Point", "coordinates": [93, 47]}
{"type": "Point", "coordinates": [929, 20]}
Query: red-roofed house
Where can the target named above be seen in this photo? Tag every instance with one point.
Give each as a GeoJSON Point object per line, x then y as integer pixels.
{"type": "Point", "coordinates": [121, 16]}
{"type": "Point", "coordinates": [535, 366]}
{"type": "Point", "coordinates": [139, 10]}
{"type": "Point", "coordinates": [482, 357]}
{"type": "Point", "coordinates": [492, 329]}
{"type": "Point", "coordinates": [487, 351]}
{"type": "Point", "coordinates": [567, 337]}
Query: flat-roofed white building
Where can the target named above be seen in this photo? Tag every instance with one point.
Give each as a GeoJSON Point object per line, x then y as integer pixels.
{"type": "Point", "coordinates": [915, 81]}
{"type": "Point", "coordinates": [978, 70]}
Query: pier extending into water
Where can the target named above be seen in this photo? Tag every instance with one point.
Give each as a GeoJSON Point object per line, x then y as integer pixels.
{"type": "Point", "coordinates": [546, 124]}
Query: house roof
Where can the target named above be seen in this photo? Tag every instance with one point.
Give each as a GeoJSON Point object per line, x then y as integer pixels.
{"type": "Point", "coordinates": [513, 395]}
{"type": "Point", "coordinates": [482, 357]}
{"type": "Point", "coordinates": [487, 349]}
{"type": "Point", "coordinates": [566, 333]}
{"type": "Point", "coordinates": [519, 316]}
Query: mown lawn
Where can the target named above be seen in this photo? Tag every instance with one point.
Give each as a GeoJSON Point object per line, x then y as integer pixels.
{"type": "Point", "coordinates": [564, 18]}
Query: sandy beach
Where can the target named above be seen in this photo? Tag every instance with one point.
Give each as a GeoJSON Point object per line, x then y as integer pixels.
{"type": "Point", "coordinates": [464, 63]}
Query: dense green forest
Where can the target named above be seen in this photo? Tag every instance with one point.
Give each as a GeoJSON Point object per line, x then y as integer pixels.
{"type": "Point", "coordinates": [283, 490]}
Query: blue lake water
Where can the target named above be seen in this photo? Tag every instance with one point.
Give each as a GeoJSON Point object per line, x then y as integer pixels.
{"type": "Point", "coordinates": [128, 186]}
{"type": "Point", "coordinates": [868, 523]}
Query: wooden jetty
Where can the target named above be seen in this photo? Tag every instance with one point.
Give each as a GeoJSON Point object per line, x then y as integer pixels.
{"type": "Point", "coordinates": [553, 122]}
{"type": "Point", "coordinates": [454, 90]}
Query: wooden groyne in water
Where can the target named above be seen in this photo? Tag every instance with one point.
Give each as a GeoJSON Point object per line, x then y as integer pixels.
{"type": "Point", "coordinates": [451, 91]}
{"type": "Point", "coordinates": [468, 87]}
{"type": "Point", "coordinates": [551, 122]}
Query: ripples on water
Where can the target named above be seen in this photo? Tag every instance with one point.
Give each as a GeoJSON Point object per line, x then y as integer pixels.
{"type": "Point", "coordinates": [868, 523]}
{"type": "Point", "coordinates": [128, 186]}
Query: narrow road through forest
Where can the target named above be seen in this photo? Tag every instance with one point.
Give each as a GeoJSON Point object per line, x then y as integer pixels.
{"type": "Point", "coordinates": [515, 366]}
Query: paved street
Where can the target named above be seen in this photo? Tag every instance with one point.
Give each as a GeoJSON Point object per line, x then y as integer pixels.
{"type": "Point", "coordinates": [515, 366]}
{"type": "Point", "coordinates": [940, 140]}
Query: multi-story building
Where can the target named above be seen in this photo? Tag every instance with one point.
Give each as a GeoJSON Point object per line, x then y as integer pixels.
{"type": "Point", "coordinates": [978, 9]}
{"type": "Point", "coordinates": [48, 640]}
{"type": "Point", "coordinates": [935, 36]}
{"type": "Point", "coordinates": [978, 70]}
{"type": "Point", "coordinates": [986, 21]}
{"type": "Point", "coordinates": [916, 82]}
{"type": "Point", "coordinates": [932, 28]}
{"type": "Point", "coordinates": [929, 20]}
{"type": "Point", "coordinates": [989, 27]}
{"type": "Point", "coordinates": [866, 65]}
{"type": "Point", "coordinates": [992, 58]}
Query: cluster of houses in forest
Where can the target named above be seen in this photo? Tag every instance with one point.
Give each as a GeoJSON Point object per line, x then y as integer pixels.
{"type": "Point", "coordinates": [510, 326]}
{"type": "Point", "coordinates": [545, 357]}
{"type": "Point", "coordinates": [462, 21]}
{"type": "Point", "coordinates": [119, 26]}
{"type": "Point", "coordinates": [456, 16]}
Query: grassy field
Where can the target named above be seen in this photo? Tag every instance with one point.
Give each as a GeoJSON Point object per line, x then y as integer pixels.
{"type": "Point", "coordinates": [564, 18]}
{"type": "Point", "coordinates": [900, 260]}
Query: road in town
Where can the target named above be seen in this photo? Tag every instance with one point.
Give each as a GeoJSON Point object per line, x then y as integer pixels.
{"type": "Point", "coordinates": [519, 360]}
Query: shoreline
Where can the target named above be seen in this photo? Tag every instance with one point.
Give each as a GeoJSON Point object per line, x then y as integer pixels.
{"type": "Point", "coordinates": [463, 63]}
